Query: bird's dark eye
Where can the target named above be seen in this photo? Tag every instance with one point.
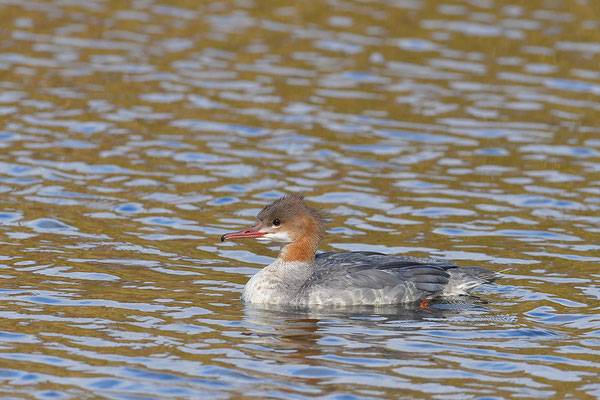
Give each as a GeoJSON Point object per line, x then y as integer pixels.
{"type": "Point", "coordinates": [276, 222]}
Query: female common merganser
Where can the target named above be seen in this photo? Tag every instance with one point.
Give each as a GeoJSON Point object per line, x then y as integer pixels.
{"type": "Point", "coordinates": [300, 278]}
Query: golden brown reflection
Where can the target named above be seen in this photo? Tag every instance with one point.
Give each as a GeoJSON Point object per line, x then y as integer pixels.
{"type": "Point", "coordinates": [135, 133]}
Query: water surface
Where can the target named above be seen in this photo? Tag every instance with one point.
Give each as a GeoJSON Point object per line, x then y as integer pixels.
{"type": "Point", "coordinates": [134, 134]}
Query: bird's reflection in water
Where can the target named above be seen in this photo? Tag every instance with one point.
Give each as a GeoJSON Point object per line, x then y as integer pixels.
{"type": "Point", "coordinates": [299, 335]}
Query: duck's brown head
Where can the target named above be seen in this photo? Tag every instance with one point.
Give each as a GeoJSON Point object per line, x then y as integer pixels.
{"type": "Point", "coordinates": [291, 221]}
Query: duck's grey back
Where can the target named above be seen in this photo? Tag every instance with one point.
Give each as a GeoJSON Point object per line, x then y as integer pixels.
{"type": "Point", "coordinates": [357, 258]}
{"type": "Point", "coordinates": [357, 278]}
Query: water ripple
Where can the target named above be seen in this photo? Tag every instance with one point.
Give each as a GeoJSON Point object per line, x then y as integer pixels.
{"type": "Point", "coordinates": [135, 135]}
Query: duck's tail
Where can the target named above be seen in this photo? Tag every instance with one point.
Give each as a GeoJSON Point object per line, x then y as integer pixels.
{"type": "Point", "coordinates": [464, 279]}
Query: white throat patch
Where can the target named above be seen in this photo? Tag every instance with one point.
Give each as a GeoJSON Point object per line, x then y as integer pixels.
{"type": "Point", "coordinates": [277, 237]}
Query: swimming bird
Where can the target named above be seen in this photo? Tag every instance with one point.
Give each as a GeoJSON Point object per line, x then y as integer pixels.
{"type": "Point", "coordinates": [301, 277]}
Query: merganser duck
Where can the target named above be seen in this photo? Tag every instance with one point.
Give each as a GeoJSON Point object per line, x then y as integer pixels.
{"type": "Point", "coordinates": [300, 278]}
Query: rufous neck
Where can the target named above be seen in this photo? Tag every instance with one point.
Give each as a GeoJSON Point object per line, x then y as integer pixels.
{"type": "Point", "coordinates": [302, 250]}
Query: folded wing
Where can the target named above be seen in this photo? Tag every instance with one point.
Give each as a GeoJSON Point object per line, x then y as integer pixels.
{"type": "Point", "coordinates": [353, 278]}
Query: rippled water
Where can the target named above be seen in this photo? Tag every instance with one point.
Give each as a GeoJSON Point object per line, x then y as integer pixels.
{"type": "Point", "coordinates": [135, 133]}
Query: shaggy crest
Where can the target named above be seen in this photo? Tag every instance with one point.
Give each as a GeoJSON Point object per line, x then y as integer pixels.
{"type": "Point", "coordinates": [292, 205]}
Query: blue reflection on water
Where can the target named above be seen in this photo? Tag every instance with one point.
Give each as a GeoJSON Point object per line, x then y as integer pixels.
{"type": "Point", "coordinates": [572, 85]}
{"type": "Point", "coordinates": [130, 208]}
{"type": "Point", "coordinates": [333, 45]}
{"type": "Point", "coordinates": [414, 136]}
{"type": "Point", "coordinates": [45, 224]}
{"type": "Point", "coordinates": [209, 126]}
{"type": "Point", "coordinates": [7, 218]}
{"type": "Point", "coordinates": [75, 144]}
{"type": "Point", "coordinates": [537, 235]}
{"type": "Point", "coordinates": [223, 201]}
{"type": "Point", "coordinates": [493, 152]}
